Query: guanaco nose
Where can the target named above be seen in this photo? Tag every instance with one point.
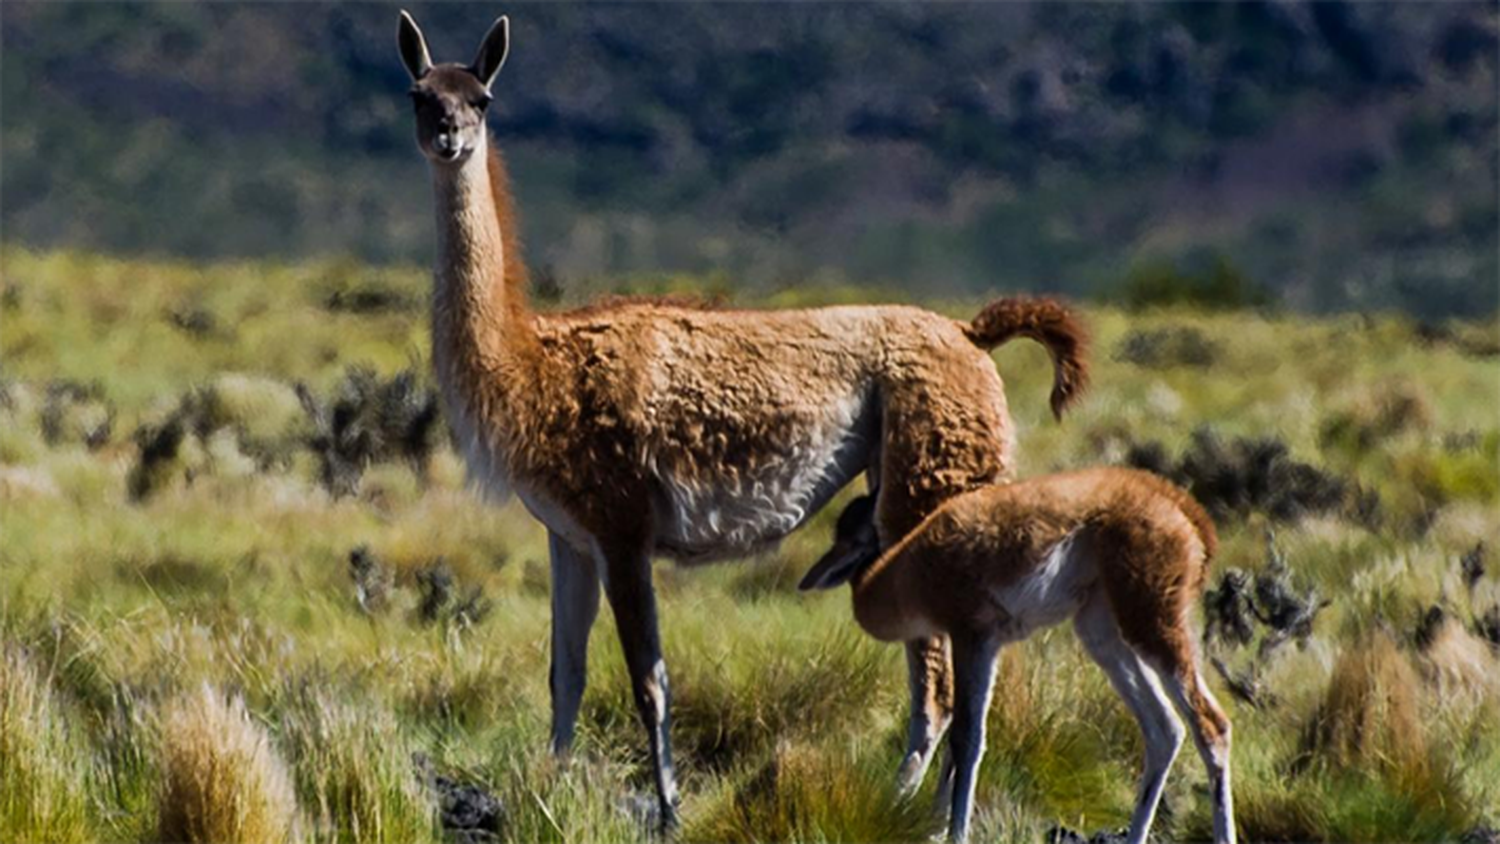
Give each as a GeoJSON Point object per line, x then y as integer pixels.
{"type": "Point", "coordinates": [447, 136]}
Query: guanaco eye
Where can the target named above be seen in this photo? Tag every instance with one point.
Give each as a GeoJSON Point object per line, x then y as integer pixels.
{"type": "Point", "coordinates": [482, 101]}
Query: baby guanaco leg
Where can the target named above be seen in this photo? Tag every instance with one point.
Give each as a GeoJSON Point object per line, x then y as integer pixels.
{"type": "Point", "coordinates": [1142, 691]}
{"type": "Point", "coordinates": [974, 681]}
{"type": "Point", "coordinates": [1210, 728]}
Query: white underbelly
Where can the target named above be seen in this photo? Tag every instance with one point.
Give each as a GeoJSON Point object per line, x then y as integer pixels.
{"type": "Point", "coordinates": [1049, 594]}
{"type": "Point", "coordinates": [704, 521]}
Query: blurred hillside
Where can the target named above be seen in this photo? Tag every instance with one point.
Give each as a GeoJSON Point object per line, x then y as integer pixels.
{"type": "Point", "coordinates": [1327, 155]}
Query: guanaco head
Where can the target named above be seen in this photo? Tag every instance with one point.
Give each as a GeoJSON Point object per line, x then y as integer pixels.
{"type": "Point", "coordinates": [855, 545]}
{"type": "Point", "coordinates": [451, 98]}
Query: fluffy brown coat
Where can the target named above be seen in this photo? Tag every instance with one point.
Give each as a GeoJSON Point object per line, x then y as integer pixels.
{"type": "Point", "coordinates": [633, 429]}
{"type": "Point", "coordinates": [1123, 553]}
{"type": "Point", "coordinates": [593, 412]}
{"type": "Point", "coordinates": [1150, 540]}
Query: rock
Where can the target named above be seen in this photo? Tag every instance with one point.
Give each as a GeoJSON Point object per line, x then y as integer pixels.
{"type": "Point", "coordinates": [1063, 835]}
{"type": "Point", "coordinates": [468, 812]}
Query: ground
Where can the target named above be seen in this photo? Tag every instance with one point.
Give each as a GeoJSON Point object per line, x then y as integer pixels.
{"type": "Point", "coordinates": [189, 651]}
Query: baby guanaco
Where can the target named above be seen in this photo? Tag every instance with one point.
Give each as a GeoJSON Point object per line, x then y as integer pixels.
{"type": "Point", "coordinates": [1124, 553]}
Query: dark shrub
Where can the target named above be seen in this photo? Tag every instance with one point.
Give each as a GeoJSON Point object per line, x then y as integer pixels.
{"type": "Point", "coordinates": [1167, 347]}
{"type": "Point", "coordinates": [1158, 284]}
{"type": "Point", "coordinates": [1246, 475]}
{"type": "Point", "coordinates": [77, 412]}
{"type": "Point", "coordinates": [369, 420]}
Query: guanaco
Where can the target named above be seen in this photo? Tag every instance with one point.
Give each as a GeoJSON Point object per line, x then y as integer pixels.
{"type": "Point", "coordinates": [640, 429]}
{"type": "Point", "coordinates": [1122, 552]}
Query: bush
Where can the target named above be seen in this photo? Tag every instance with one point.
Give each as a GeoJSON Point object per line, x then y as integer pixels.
{"type": "Point", "coordinates": [1389, 411]}
{"type": "Point", "coordinates": [75, 412]}
{"type": "Point", "coordinates": [1167, 347]}
{"type": "Point", "coordinates": [370, 420]}
{"type": "Point", "coordinates": [1245, 476]}
{"type": "Point", "coordinates": [1161, 284]}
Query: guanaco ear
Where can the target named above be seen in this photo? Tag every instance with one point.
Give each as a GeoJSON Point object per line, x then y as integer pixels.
{"type": "Point", "coordinates": [413, 47]}
{"type": "Point", "coordinates": [840, 564]}
{"type": "Point", "coordinates": [492, 52]}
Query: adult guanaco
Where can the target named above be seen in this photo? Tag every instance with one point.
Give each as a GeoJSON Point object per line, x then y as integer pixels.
{"type": "Point", "coordinates": [634, 430]}
{"type": "Point", "coordinates": [1122, 552]}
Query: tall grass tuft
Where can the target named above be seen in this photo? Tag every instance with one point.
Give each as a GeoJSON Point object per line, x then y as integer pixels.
{"type": "Point", "coordinates": [42, 770]}
{"type": "Point", "coordinates": [1059, 742]}
{"type": "Point", "coordinates": [807, 792]}
{"type": "Point", "coordinates": [1366, 769]}
{"type": "Point", "coordinates": [1371, 715]}
{"type": "Point", "coordinates": [355, 772]}
{"type": "Point", "coordinates": [222, 781]}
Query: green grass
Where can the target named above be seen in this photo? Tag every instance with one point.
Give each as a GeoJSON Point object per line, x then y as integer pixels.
{"type": "Point", "coordinates": [789, 722]}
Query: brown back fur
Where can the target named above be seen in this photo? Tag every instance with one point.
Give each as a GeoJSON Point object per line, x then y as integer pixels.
{"type": "Point", "coordinates": [587, 409]}
{"type": "Point", "coordinates": [1152, 540]}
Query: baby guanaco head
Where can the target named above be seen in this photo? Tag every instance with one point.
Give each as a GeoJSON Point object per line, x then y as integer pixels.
{"type": "Point", "coordinates": [856, 544]}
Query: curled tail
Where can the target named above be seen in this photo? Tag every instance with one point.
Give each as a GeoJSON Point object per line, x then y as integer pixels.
{"type": "Point", "coordinates": [1048, 322]}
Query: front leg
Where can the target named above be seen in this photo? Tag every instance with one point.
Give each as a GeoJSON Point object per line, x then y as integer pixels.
{"type": "Point", "coordinates": [930, 678]}
{"type": "Point", "coordinates": [974, 669]}
{"type": "Point", "coordinates": [627, 583]}
{"type": "Point", "coordinates": [575, 605]}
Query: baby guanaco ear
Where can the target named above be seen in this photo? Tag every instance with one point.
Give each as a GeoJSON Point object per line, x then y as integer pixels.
{"type": "Point", "coordinates": [492, 52]}
{"type": "Point", "coordinates": [837, 566]}
{"type": "Point", "coordinates": [413, 47]}
{"type": "Point", "coordinates": [855, 545]}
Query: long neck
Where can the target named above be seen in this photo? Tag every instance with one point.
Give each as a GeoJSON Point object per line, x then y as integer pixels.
{"type": "Point", "coordinates": [479, 301]}
{"type": "Point", "coordinates": [880, 599]}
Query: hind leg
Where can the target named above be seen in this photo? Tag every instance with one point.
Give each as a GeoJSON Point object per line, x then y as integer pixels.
{"type": "Point", "coordinates": [1142, 692]}
{"type": "Point", "coordinates": [930, 680]}
{"type": "Point", "coordinates": [1210, 727]}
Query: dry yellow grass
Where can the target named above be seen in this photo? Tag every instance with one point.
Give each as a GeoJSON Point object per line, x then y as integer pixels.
{"type": "Point", "coordinates": [41, 770]}
{"type": "Point", "coordinates": [222, 781]}
{"type": "Point", "coordinates": [1372, 711]}
{"type": "Point", "coordinates": [1461, 667]}
{"type": "Point", "coordinates": [355, 772]}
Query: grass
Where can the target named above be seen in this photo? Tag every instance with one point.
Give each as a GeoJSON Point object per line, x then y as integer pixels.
{"type": "Point", "coordinates": [43, 768]}
{"type": "Point", "coordinates": [214, 625]}
{"type": "Point", "coordinates": [221, 778]}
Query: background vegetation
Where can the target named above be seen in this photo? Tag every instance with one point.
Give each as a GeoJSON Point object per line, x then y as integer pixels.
{"type": "Point", "coordinates": [244, 594]}
{"type": "Point", "coordinates": [1337, 154]}
{"type": "Point", "coordinates": [249, 646]}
